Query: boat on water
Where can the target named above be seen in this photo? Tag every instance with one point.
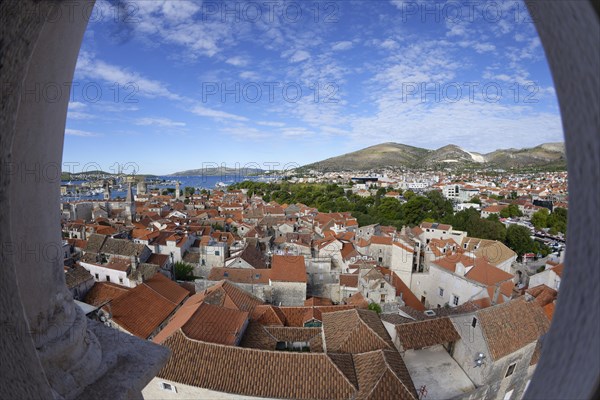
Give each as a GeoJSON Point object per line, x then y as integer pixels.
{"type": "Point", "coordinates": [221, 185]}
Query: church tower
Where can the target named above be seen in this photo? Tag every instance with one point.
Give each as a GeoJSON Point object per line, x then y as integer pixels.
{"type": "Point", "coordinates": [130, 203]}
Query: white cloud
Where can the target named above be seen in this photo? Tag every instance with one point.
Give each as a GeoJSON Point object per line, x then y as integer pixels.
{"type": "Point", "coordinates": [76, 132]}
{"type": "Point", "coordinates": [162, 122]}
{"type": "Point", "coordinates": [76, 105]}
{"type": "Point", "coordinates": [341, 46]}
{"type": "Point", "coordinates": [217, 114]}
{"type": "Point", "coordinates": [250, 75]}
{"type": "Point", "coordinates": [243, 132]}
{"type": "Point", "coordinates": [271, 123]}
{"type": "Point", "coordinates": [389, 44]}
{"type": "Point", "coordinates": [237, 61]}
{"type": "Point", "coordinates": [299, 56]}
{"type": "Point", "coordinates": [296, 132]}
{"type": "Point", "coordinates": [131, 83]}
{"type": "Point", "coordinates": [483, 47]}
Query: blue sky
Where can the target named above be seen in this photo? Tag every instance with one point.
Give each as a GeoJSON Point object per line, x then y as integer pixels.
{"type": "Point", "coordinates": [176, 85]}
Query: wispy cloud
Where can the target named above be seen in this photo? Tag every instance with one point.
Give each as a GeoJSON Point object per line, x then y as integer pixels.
{"type": "Point", "coordinates": [237, 61]}
{"type": "Point", "coordinates": [299, 56]}
{"type": "Point", "coordinates": [271, 123]}
{"type": "Point", "coordinates": [341, 46]}
{"type": "Point", "coordinates": [129, 81]}
{"type": "Point", "coordinates": [162, 122]}
{"type": "Point", "coordinates": [79, 133]}
{"type": "Point", "coordinates": [217, 114]}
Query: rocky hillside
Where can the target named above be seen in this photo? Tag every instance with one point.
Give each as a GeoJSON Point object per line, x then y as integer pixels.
{"type": "Point", "coordinates": [548, 155]}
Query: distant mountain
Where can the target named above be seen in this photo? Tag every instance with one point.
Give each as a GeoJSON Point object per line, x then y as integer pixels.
{"type": "Point", "coordinates": [385, 155]}
{"type": "Point", "coordinates": [220, 171]}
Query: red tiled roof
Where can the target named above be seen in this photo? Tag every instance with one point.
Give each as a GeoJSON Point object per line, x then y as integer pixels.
{"type": "Point", "coordinates": [387, 240]}
{"type": "Point", "coordinates": [216, 324]}
{"type": "Point", "coordinates": [257, 373]}
{"type": "Point", "coordinates": [355, 331]}
{"type": "Point", "coordinates": [420, 334]}
{"type": "Point", "coordinates": [104, 291]}
{"type": "Point", "coordinates": [167, 288]}
{"type": "Point", "coordinates": [350, 280]}
{"type": "Point", "coordinates": [288, 269]}
{"type": "Point", "coordinates": [141, 311]}
{"type": "Point", "coordinates": [510, 326]}
{"type": "Point", "coordinates": [383, 375]}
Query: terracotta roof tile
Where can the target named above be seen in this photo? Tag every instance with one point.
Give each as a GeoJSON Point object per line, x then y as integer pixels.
{"type": "Point", "coordinates": [141, 311]}
{"type": "Point", "coordinates": [543, 294]}
{"type": "Point", "coordinates": [355, 331]}
{"type": "Point", "coordinates": [510, 326]}
{"type": "Point", "coordinates": [104, 291]}
{"type": "Point", "coordinates": [350, 280]}
{"type": "Point", "coordinates": [288, 269]}
{"type": "Point", "coordinates": [216, 324]}
{"type": "Point", "coordinates": [318, 301]}
{"type": "Point", "coordinates": [76, 276]}
{"type": "Point", "coordinates": [420, 334]}
{"type": "Point", "coordinates": [250, 372]}
{"type": "Point", "coordinates": [383, 375]}
{"type": "Point", "coordinates": [167, 288]}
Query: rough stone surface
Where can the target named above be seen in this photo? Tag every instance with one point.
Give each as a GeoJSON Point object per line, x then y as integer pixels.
{"type": "Point", "coordinates": [22, 375]}
{"type": "Point", "coordinates": [570, 362]}
{"type": "Point", "coordinates": [48, 348]}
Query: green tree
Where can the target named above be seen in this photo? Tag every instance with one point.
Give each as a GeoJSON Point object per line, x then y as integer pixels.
{"type": "Point", "coordinates": [416, 210]}
{"type": "Point", "coordinates": [408, 194]}
{"type": "Point", "coordinates": [389, 209]}
{"type": "Point", "coordinates": [475, 199]}
{"type": "Point", "coordinates": [375, 307]}
{"type": "Point", "coordinates": [540, 218]}
{"type": "Point", "coordinates": [511, 211]}
{"type": "Point", "coordinates": [183, 271]}
{"type": "Point", "coordinates": [558, 220]}
{"type": "Point", "coordinates": [519, 239]}
{"type": "Point", "coordinates": [440, 206]}
{"type": "Point", "coordinates": [189, 191]}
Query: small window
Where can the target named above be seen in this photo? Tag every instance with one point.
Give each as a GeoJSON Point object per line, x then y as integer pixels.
{"type": "Point", "coordinates": [225, 274]}
{"type": "Point", "coordinates": [511, 369]}
{"type": "Point", "coordinates": [107, 278]}
{"type": "Point", "coordinates": [97, 277]}
{"type": "Point", "coordinates": [121, 281]}
{"type": "Point", "coordinates": [382, 285]}
{"type": "Point", "coordinates": [168, 386]}
{"type": "Point", "coordinates": [217, 252]}
{"type": "Point", "coordinates": [441, 292]}
{"type": "Point", "coordinates": [455, 300]}
{"type": "Point", "coordinates": [474, 322]}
